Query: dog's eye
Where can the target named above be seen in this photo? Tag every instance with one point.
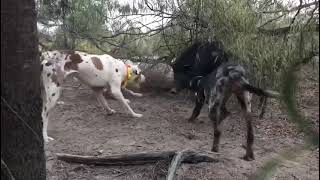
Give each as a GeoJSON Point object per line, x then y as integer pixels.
{"type": "Point", "coordinates": [135, 72]}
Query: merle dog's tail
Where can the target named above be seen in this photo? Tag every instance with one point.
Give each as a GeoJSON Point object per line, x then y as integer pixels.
{"type": "Point", "coordinates": [260, 92]}
{"type": "Point", "coordinates": [264, 95]}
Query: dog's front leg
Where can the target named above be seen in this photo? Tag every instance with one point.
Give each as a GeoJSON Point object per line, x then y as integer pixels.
{"type": "Point", "coordinates": [116, 91]}
{"type": "Point", "coordinates": [131, 92]}
{"type": "Point", "coordinates": [245, 101]}
{"type": "Point", "coordinates": [199, 103]}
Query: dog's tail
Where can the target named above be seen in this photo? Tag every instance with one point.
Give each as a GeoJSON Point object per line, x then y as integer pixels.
{"type": "Point", "coordinates": [260, 92]}
{"type": "Point", "coordinates": [264, 95]}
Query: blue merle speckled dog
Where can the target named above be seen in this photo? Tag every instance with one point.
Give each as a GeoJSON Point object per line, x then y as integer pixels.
{"type": "Point", "coordinates": [215, 88]}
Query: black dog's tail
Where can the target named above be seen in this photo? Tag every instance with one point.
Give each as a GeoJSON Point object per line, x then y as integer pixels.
{"type": "Point", "coordinates": [260, 92]}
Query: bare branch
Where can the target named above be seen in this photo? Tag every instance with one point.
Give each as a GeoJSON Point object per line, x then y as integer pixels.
{"type": "Point", "coordinates": [284, 30]}
{"type": "Point", "coordinates": [22, 120]}
{"type": "Point", "coordinates": [5, 168]}
{"type": "Point", "coordinates": [301, 6]}
{"type": "Point", "coordinates": [271, 20]}
{"type": "Point", "coordinates": [295, 16]}
{"type": "Point", "coordinates": [137, 34]}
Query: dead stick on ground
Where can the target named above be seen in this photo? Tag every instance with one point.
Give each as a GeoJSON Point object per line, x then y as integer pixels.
{"type": "Point", "coordinates": [134, 159]}
{"type": "Point", "coordinates": [187, 156]}
{"type": "Point", "coordinates": [175, 164]}
{"type": "Point", "coordinates": [125, 159]}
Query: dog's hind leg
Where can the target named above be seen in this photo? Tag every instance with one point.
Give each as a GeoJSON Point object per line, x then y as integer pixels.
{"type": "Point", "coordinates": [50, 98]}
{"type": "Point", "coordinates": [200, 98]}
{"type": "Point", "coordinates": [244, 100]}
{"type": "Point", "coordinates": [116, 91]}
{"type": "Point", "coordinates": [214, 114]}
{"type": "Point", "coordinates": [102, 100]}
{"type": "Point", "coordinates": [215, 104]}
{"type": "Point", "coordinates": [45, 120]}
{"type": "Point", "coordinates": [224, 112]}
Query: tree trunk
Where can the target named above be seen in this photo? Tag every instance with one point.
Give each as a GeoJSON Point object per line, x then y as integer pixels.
{"type": "Point", "coordinates": [22, 149]}
{"type": "Point", "coordinates": [64, 4]}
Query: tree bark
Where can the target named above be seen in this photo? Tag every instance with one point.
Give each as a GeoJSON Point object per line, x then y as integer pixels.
{"type": "Point", "coordinates": [22, 149]}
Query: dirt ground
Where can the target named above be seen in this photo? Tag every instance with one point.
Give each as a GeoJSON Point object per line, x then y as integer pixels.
{"type": "Point", "coordinates": [79, 126]}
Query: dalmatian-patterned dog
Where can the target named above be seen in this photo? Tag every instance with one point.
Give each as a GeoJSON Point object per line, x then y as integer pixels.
{"type": "Point", "coordinates": [99, 72]}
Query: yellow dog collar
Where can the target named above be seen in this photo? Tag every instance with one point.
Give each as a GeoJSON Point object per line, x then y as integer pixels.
{"type": "Point", "coordinates": [128, 75]}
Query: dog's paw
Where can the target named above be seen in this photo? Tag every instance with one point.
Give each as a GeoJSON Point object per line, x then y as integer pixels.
{"type": "Point", "coordinates": [215, 148]}
{"type": "Point", "coordinates": [47, 139]}
{"type": "Point", "coordinates": [138, 94]}
{"type": "Point", "coordinates": [110, 111]}
{"type": "Point", "coordinates": [127, 101]}
{"type": "Point", "coordinates": [137, 115]}
{"type": "Point", "coordinates": [191, 120]}
{"type": "Point", "coordinates": [60, 102]}
{"type": "Point", "coordinates": [248, 157]}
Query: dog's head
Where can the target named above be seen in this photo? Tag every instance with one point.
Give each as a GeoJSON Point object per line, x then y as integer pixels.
{"type": "Point", "coordinates": [182, 76]}
{"type": "Point", "coordinates": [199, 59]}
{"type": "Point", "coordinates": [137, 78]}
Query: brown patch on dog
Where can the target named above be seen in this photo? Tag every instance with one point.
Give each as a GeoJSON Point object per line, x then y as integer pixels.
{"type": "Point", "coordinates": [71, 66]}
{"type": "Point", "coordinates": [75, 58]}
{"type": "Point", "coordinates": [97, 63]}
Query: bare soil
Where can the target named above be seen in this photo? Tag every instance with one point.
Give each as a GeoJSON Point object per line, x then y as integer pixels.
{"type": "Point", "coordinates": [79, 126]}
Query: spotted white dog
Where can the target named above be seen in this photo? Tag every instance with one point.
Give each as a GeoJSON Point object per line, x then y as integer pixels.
{"type": "Point", "coordinates": [99, 72]}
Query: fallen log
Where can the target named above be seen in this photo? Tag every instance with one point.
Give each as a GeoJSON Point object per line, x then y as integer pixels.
{"type": "Point", "coordinates": [134, 159]}
{"type": "Point", "coordinates": [175, 164]}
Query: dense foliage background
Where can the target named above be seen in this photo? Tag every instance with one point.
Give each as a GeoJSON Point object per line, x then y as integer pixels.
{"type": "Point", "coordinates": [265, 34]}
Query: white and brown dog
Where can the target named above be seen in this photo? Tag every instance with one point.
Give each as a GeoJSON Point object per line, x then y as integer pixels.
{"type": "Point", "coordinates": [99, 72]}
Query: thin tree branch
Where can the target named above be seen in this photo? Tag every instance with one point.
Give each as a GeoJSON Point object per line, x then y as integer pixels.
{"type": "Point", "coordinates": [301, 6]}
{"type": "Point", "coordinates": [21, 119]}
{"type": "Point", "coordinates": [295, 16]}
{"type": "Point", "coordinates": [6, 170]}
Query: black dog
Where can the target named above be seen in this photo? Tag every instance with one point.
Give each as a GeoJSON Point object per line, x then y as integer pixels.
{"type": "Point", "coordinates": [199, 59]}
{"type": "Point", "coordinates": [215, 88]}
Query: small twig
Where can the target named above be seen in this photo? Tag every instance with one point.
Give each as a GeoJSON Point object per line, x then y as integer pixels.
{"type": "Point", "coordinates": [120, 173]}
{"type": "Point", "coordinates": [271, 20]}
{"type": "Point", "coordinates": [292, 9]}
{"type": "Point", "coordinates": [175, 164]}
{"type": "Point", "coordinates": [295, 16]}
{"type": "Point", "coordinates": [6, 170]}
{"type": "Point", "coordinates": [21, 119]}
